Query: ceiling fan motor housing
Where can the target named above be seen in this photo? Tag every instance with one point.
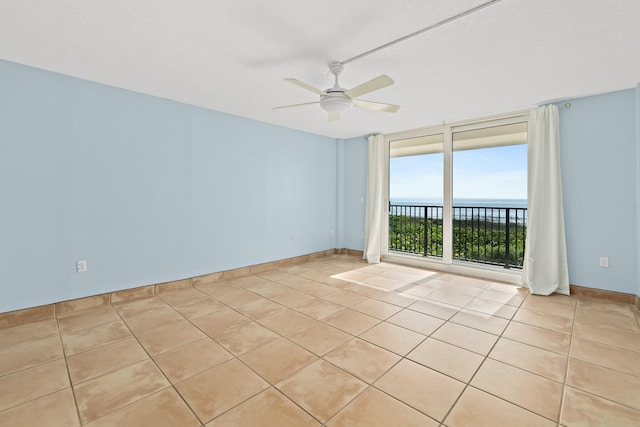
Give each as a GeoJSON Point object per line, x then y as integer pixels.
{"type": "Point", "coordinates": [335, 102]}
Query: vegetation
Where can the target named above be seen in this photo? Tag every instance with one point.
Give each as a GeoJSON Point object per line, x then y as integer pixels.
{"type": "Point", "coordinates": [477, 240]}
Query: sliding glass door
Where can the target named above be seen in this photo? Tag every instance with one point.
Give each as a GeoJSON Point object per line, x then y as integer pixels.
{"type": "Point", "coordinates": [457, 194]}
{"type": "Point", "coordinates": [416, 195]}
{"type": "Point", "coordinates": [490, 194]}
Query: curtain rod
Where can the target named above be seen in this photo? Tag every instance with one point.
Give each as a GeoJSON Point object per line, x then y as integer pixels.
{"type": "Point", "coordinates": [565, 105]}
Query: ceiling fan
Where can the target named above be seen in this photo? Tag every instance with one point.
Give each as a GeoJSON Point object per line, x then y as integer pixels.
{"type": "Point", "coordinates": [337, 99]}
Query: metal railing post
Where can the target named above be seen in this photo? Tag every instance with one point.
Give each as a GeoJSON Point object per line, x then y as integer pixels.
{"type": "Point", "coordinates": [425, 230]}
{"type": "Point", "coordinates": [508, 238]}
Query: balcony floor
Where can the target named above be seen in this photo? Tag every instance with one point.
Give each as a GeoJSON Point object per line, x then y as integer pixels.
{"type": "Point", "coordinates": [331, 342]}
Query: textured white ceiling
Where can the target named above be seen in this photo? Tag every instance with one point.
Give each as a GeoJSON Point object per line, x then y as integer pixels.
{"type": "Point", "coordinates": [232, 55]}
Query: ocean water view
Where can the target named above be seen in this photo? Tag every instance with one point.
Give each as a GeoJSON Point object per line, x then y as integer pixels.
{"type": "Point", "coordinates": [473, 203]}
{"type": "Point", "coordinates": [494, 210]}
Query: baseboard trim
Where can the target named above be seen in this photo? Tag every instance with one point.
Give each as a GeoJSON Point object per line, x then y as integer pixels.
{"type": "Point", "coordinates": [27, 315]}
{"type": "Point", "coordinates": [352, 252]}
{"type": "Point", "coordinates": [62, 308]}
{"type": "Point", "coordinates": [603, 294]}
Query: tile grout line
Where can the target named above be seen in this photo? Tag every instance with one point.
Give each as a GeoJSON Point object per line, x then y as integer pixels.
{"type": "Point", "coordinates": [235, 357]}
{"type": "Point", "coordinates": [468, 383]}
{"type": "Point", "coordinates": [66, 364]}
{"type": "Point", "coordinates": [326, 361]}
{"type": "Point", "coordinates": [402, 357]}
{"type": "Point", "coordinates": [596, 364]}
{"type": "Point", "coordinates": [568, 359]}
{"type": "Point", "coordinates": [369, 385]}
{"type": "Point", "coordinates": [171, 385]}
{"type": "Point", "coordinates": [286, 337]}
{"type": "Point", "coordinates": [410, 360]}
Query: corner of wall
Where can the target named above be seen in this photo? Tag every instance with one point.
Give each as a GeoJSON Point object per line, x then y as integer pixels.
{"type": "Point", "coordinates": [339, 233]}
{"type": "Point", "coordinates": [638, 191]}
{"type": "Point", "coordinates": [355, 181]}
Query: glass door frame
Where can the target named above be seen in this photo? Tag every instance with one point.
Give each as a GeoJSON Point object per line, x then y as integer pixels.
{"type": "Point", "coordinates": [447, 263]}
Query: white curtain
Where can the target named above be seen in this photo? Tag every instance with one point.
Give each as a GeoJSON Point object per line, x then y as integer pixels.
{"type": "Point", "coordinates": [545, 268]}
{"type": "Point", "coordinates": [375, 200]}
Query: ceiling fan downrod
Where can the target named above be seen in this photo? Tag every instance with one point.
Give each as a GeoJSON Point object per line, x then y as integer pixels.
{"type": "Point", "coordinates": [335, 99]}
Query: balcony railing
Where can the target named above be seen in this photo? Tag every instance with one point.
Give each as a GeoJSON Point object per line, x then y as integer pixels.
{"type": "Point", "coordinates": [486, 235]}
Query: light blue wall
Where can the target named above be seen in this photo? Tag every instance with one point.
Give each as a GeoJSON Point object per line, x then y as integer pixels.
{"type": "Point", "coordinates": [145, 189]}
{"type": "Point", "coordinates": [149, 190]}
{"type": "Point", "coordinates": [355, 190]}
{"type": "Point", "coordinates": [340, 193]}
{"type": "Point", "coordinates": [598, 145]}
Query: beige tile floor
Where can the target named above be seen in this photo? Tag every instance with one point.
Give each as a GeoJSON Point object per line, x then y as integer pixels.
{"type": "Point", "coordinates": [333, 342]}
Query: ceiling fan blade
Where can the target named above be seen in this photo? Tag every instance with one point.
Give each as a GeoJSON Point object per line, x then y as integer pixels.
{"type": "Point", "coordinates": [296, 105]}
{"type": "Point", "coordinates": [334, 116]}
{"type": "Point", "coordinates": [373, 84]}
{"type": "Point", "coordinates": [375, 106]}
{"type": "Point", "coordinates": [306, 86]}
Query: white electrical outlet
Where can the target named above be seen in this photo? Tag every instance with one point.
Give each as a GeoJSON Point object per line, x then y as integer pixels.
{"type": "Point", "coordinates": [81, 266]}
{"type": "Point", "coordinates": [333, 233]}
{"type": "Point", "coordinates": [604, 261]}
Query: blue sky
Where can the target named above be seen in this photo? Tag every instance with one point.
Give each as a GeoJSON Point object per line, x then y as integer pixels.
{"type": "Point", "coordinates": [488, 173]}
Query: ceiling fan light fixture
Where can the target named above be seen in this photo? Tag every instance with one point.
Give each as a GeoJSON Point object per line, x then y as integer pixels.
{"type": "Point", "coordinates": [336, 102]}
{"type": "Point", "coordinates": [337, 99]}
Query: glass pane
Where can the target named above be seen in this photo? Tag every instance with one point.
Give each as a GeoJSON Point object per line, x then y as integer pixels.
{"type": "Point", "coordinates": [416, 194]}
{"type": "Point", "coordinates": [490, 195]}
